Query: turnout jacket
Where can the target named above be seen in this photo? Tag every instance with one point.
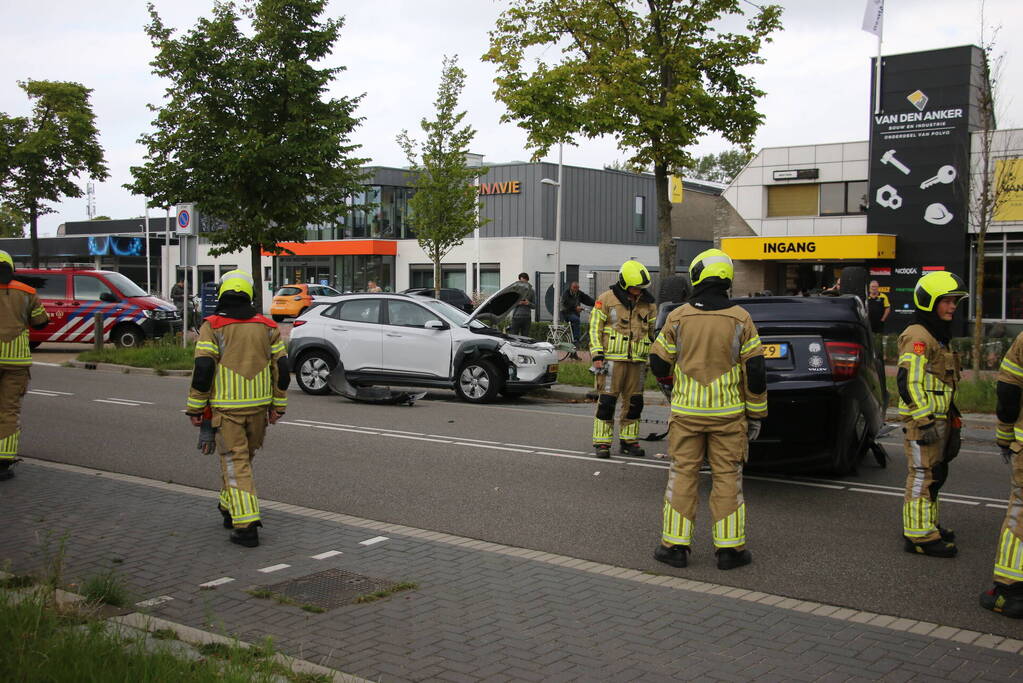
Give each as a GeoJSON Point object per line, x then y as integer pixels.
{"type": "Point", "coordinates": [19, 310]}
{"type": "Point", "coordinates": [238, 367]}
{"type": "Point", "coordinates": [927, 378]}
{"type": "Point", "coordinates": [620, 329]}
{"type": "Point", "coordinates": [1010, 386]}
{"type": "Point", "coordinates": [716, 361]}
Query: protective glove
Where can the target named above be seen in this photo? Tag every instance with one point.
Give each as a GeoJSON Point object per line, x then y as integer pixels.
{"type": "Point", "coordinates": [207, 437]}
{"type": "Point", "coordinates": [929, 435]}
{"type": "Point", "coordinates": [1006, 454]}
{"type": "Point", "coordinates": [753, 428]}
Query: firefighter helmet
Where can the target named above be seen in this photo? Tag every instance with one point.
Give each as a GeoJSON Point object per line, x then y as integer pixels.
{"type": "Point", "coordinates": [936, 285]}
{"type": "Point", "coordinates": [6, 258]}
{"type": "Point", "coordinates": [633, 274]}
{"type": "Point", "coordinates": [236, 281]}
{"type": "Point", "coordinates": [711, 263]}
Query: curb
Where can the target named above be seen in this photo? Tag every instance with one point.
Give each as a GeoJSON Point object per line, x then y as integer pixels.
{"type": "Point", "coordinates": [127, 369]}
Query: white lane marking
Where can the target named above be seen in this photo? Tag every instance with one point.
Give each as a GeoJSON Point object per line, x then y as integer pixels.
{"type": "Point", "coordinates": [946, 499]}
{"type": "Point", "coordinates": [153, 602]}
{"type": "Point", "coordinates": [324, 556]}
{"type": "Point", "coordinates": [375, 539]}
{"type": "Point", "coordinates": [330, 424]}
{"type": "Point", "coordinates": [992, 505]}
{"type": "Point", "coordinates": [54, 391]}
{"type": "Point", "coordinates": [793, 481]}
{"type": "Point", "coordinates": [898, 443]}
{"type": "Point", "coordinates": [336, 429]}
{"type": "Point", "coordinates": [116, 403]}
{"type": "Point", "coordinates": [130, 400]}
{"type": "Point", "coordinates": [537, 448]}
{"type": "Point", "coordinates": [52, 365]}
{"type": "Point", "coordinates": [273, 568]}
{"type": "Point", "coordinates": [43, 393]}
{"type": "Point", "coordinates": [398, 431]}
{"type": "Point", "coordinates": [641, 464]}
{"type": "Point", "coordinates": [496, 448]}
{"type": "Point", "coordinates": [216, 582]}
{"type": "Point", "coordinates": [415, 438]}
{"type": "Point", "coordinates": [879, 492]}
{"type": "Point", "coordinates": [462, 438]}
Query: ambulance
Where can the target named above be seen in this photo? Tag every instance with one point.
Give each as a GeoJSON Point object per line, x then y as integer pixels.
{"type": "Point", "coordinates": [73, 296]}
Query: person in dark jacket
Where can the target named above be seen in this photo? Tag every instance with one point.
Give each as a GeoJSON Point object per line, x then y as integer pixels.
{"type": "Point", "coordinates": [572, 302]}
{"type": "Point", "coordinates": [522, 314]}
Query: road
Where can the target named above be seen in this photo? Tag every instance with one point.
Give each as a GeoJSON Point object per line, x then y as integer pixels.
{"type": "Point", "coordinates": [520, 474]}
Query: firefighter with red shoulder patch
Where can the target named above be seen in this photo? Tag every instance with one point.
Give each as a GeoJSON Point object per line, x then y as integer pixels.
{"type": "Point", "coordinates": [19, 310]}
{"type": "Point", "coordinates": [240, 381]}
{"type": "Point", "coordinates": [621, 331]}
{"type": "Point", "coordinates": [927, 377]}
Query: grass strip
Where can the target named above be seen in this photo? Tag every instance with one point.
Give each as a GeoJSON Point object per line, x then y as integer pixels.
{"type": "Point", "coordinates": [158, 355]}
{"type": "Point", "coordinates": [381, 594]}
{"type": "Point", "coordinates": [267, 594]}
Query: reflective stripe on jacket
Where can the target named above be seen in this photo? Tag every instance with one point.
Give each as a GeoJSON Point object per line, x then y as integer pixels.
{"type": "Point", "coordinates": [932, 372]}
{"type": "Point", "coordinates": [620, 328]}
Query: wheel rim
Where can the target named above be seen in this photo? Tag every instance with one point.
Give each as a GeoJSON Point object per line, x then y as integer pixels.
{"type": "Point", "coordinates": [128, 340]}
{"type": "Point", "coordinates": [474, 381]}
{"type": "Point", "coordinates": [314, 373]}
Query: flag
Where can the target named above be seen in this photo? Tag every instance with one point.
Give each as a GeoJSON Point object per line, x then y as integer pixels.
{"type": "Point", "coordinates": [873, 17]}
{"type": "Point", "coordinates": [676, 191]}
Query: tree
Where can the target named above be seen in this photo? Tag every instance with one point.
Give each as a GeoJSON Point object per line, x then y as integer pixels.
{"type": "Point", "coordinates": [42, 155]}
{"type": "Point", "coordinates": [100, 218]}
{"type": "Point", "coordinates": [626, 166]}
{"type": "Point", "coordinates": [656, 76]}
{"type": "Point", "coordinates": [245, 132]}
{"type": "Point", "coordinates": [12, 221]}
{"type": "Point", "coordinates": [723, 167]}
{"type": "Point", "coordinates": [445, 207]}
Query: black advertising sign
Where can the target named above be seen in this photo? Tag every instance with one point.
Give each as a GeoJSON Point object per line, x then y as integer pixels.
{"type": "Point", "coordinates": [919, 165]}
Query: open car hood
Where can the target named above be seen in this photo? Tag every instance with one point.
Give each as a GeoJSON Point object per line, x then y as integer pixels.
{"type": "Point", "coordinates": [500, 303]}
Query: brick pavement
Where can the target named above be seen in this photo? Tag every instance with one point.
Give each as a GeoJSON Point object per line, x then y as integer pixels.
{"type": "Point", "coordinates": [481, 611]}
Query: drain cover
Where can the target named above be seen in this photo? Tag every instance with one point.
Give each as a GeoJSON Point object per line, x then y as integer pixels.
{"type": "Point", "coordinates": [330, 588]}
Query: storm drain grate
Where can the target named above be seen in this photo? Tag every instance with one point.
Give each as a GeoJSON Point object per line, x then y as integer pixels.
{"type": "Point", "coordinates": [330, 588]}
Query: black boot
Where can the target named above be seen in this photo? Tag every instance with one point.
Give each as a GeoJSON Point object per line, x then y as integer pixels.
{"type": "Point", "coordinates": [947, 535]}
{"type": "Point", "coordinates": [936, 548]}
{"type": "Point", "coordinates": [676, 555]}
{"type": "Point", "coordinates": [6, 470]}
{"type": "Point", "coordinates": [601, 450]}
{"type": "Point", "coordinates": [1005, 600]}
{"type": "Point", "coordinates": [730, 558]}
{"type": "Point", "coordinates": [247, 536]}
{"type": "Point", "coordinates": [632, 449]}
{"type": "Point", "coordinates": [228, 524]}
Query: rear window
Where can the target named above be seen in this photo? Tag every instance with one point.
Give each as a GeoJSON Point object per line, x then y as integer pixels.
{"type": "Point", "coordinates": [288, 291]}
{"type": "Point", "coordinates": [356, 311]}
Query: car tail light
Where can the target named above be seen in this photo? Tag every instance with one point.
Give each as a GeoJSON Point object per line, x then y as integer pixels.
{"type": "Point", "coordinates": [298, 323]}
{"type": "Point", "coordinates": [845, 359]}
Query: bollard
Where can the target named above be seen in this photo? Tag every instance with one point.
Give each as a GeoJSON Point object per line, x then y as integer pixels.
{"type": "Point", "coordinates": [97, 331]}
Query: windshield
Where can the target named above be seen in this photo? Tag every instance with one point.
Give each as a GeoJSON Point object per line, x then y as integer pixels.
{"type": "Point", "coordinates": [455, 315]}
{"type": "Point", "coordinates": [124, 285]}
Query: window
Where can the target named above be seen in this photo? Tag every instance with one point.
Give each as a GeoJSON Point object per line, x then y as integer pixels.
{"type": "Point", "coordinates": [842, 199]}
{"type": "Point", "coordinates": [407, 314]}
{"type": "Point", "coordinates": [452, 275]}
{"type": "Point", "coordinates": [47, 286]}
{"type": "Point", "coordinates": [127, 287]}
{"type": "Point", "coordinates": [88, 288]}
{"type": "Point", "coordinates": [639, 218]}
{"type": "Point", "coordinates": [356, 311]}
{"type": "Point", "coordinates": [288, 291]}
{"type": "Point", "coordinates": [792, 200]}
{"type": "Point", "coordinates": [856, 197]}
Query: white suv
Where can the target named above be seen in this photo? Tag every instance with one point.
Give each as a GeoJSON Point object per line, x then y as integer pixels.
{"type": "Point", "coordinates": [406, 340]}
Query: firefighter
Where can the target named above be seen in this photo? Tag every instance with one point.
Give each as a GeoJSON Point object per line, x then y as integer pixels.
{"type": "Point", "coordinates": [241, 374]}
{"type": "Point", "coordinates": [927, 377]}
{"type": "Point", "coordinates": [19, 310]}
{"type": "Point", "coordinates": [710, 357]}
{"type": "Point", "coordinates": [1006, 597]}
{"type": "Point", "coordinates": [621, 331]}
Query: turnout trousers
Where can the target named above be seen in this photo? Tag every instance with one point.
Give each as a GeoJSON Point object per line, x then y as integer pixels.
{"type": "Point", "coordinates": [1009, 559]}
{"type": "Point", "coordinates": [13, 385]}
{"type": "Point", "coordinates": [238, 437]}
{"type": "Point", "coordinates": [623, 383]}
{"type": "Point", "coordinates": [927, 470]}
{"type": "Point", "coordinates": [725, 445]}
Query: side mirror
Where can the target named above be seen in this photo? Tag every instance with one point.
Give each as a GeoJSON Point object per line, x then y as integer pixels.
{"type": "Point", "coordinates": [108, 297]}
{"type": "Point", "coordinates": [435, 325]}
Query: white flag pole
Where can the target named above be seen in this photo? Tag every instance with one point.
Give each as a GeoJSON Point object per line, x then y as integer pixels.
{"type": "Point", "coordinates": [877, 67]}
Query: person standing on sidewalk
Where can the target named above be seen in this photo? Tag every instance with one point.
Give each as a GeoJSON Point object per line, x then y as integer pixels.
{"type": "Point", "coordinates": [621, 331]}
{"type": "Point", "coordinates": [927, 378]}
{"type": "Point", "coordinates": [572, 302]}
{"type": "Point", "coordinates": [19, 310]}
{"type": "Point", "coordinates": [709, 354]}
{"type": "Point", "coordinates": [1006, 596]}
{"type": "Point", "coordinates": [522, 314]}
{"type": "Point", "coordinates": [241, 374]}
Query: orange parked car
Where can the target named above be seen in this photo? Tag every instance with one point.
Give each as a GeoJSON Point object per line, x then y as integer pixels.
{"type": "Point", "coordinates": [290, 301]}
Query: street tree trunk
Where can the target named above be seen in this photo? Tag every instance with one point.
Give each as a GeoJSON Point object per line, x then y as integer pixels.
{"type": "Point", "coordinates": [436, 273]}
{"type": "Point", "coordinates": [256, 264]}
{"type": "Point", "coordinates": [33, 229]}
{"type": "Point", "coordinates": [665, 243]}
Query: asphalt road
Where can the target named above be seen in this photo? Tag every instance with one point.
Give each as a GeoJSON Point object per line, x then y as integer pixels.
{"type": "Point", "coordinates": [520, 474]}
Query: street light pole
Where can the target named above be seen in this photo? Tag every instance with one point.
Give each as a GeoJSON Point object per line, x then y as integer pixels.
{"type": "Point", "coordinates": [557, 236]}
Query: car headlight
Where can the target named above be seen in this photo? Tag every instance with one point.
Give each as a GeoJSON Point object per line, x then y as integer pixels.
{"type": "Point", "coordinates": [149, 313]}
{"type": "Point", "coordinates": [524, 360]}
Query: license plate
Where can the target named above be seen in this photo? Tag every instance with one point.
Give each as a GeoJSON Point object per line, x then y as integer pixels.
{"type": "Point", "coordinates": [552, 368]}
{"type": "Point", "coordinates": [776, 350]}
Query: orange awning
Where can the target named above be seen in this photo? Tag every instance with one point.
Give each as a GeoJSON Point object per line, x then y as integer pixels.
{"type": "Point", "coordinates": [339, 248]}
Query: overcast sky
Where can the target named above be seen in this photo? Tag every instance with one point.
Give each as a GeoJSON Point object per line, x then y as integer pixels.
{"type": "Point", "coordinates": [816, 75]}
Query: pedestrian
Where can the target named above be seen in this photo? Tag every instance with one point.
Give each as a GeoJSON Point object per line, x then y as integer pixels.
{"type": "Point", "coordinates": [878, 307]}
{"type": "Point", "coordinates": [19, 310]}
{"type": "Point", "coordinates": [522, 313]}
{"type": "Point", "coordinates": [710, 357]}
{"type": "Point", "coordinates": [1006, 596]}
{"type": "Point", "coordinates": [372, 286]}
{"type": "Point", "coordinates": [239, 381]}
{"type": "Point", "coordinates": [572, 302]}
{"type": "Point", "coordinates": [621, 332]}
{"type": "Point", "coordinates": [927, 378]}
{"type": "Point", "coordinates": [178, 294]}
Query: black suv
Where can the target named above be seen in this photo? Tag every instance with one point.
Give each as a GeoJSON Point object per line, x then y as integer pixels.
{"type": "Point", "coordinates": [455, 297]}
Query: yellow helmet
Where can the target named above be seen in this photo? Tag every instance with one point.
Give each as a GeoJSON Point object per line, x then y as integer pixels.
{"type": "Point", "coordinates": [236, 281]}
{"type": "Point", "coordinates": [934, 286]}
{"type": "Point", "coordinates": [6, 258]}
{"type": "Point", "coordinates": [633, 274]}
{"type": "Point", "coordinates": [711, 263]}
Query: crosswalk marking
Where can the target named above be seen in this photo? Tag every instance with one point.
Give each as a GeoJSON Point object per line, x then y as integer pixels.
{"type": "Point", "coordinates": [216, 582]}
{"type": "Point", "coordinates": [324, 556]}
{"type": "Point", "coordinates": [375, 539]}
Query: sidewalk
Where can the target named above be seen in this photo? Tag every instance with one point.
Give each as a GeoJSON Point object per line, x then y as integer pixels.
{"type": "Point", "coordinates": [480, 611]}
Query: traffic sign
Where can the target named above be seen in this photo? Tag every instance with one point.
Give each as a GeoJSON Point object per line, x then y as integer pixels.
{"type": "Point", "coordinates": [186, 219]}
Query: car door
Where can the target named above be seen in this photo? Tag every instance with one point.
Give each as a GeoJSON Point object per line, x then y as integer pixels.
{"type": "Point", "coordinates": [353, 327]}
{"type": "Point", "coordinates": [411, 348]}
{"type": "Point", "coordinates": [52, 290]}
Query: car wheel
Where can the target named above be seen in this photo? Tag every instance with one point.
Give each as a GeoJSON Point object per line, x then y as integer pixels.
{"type": "Point", "coordinates": [127, 336]}
{"type": "Point", "coordinates": [311, 373]}
{"type": "Point", "coordinates": [278, 318]}
{"type": "Point", "coordinates": [478, 382]}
